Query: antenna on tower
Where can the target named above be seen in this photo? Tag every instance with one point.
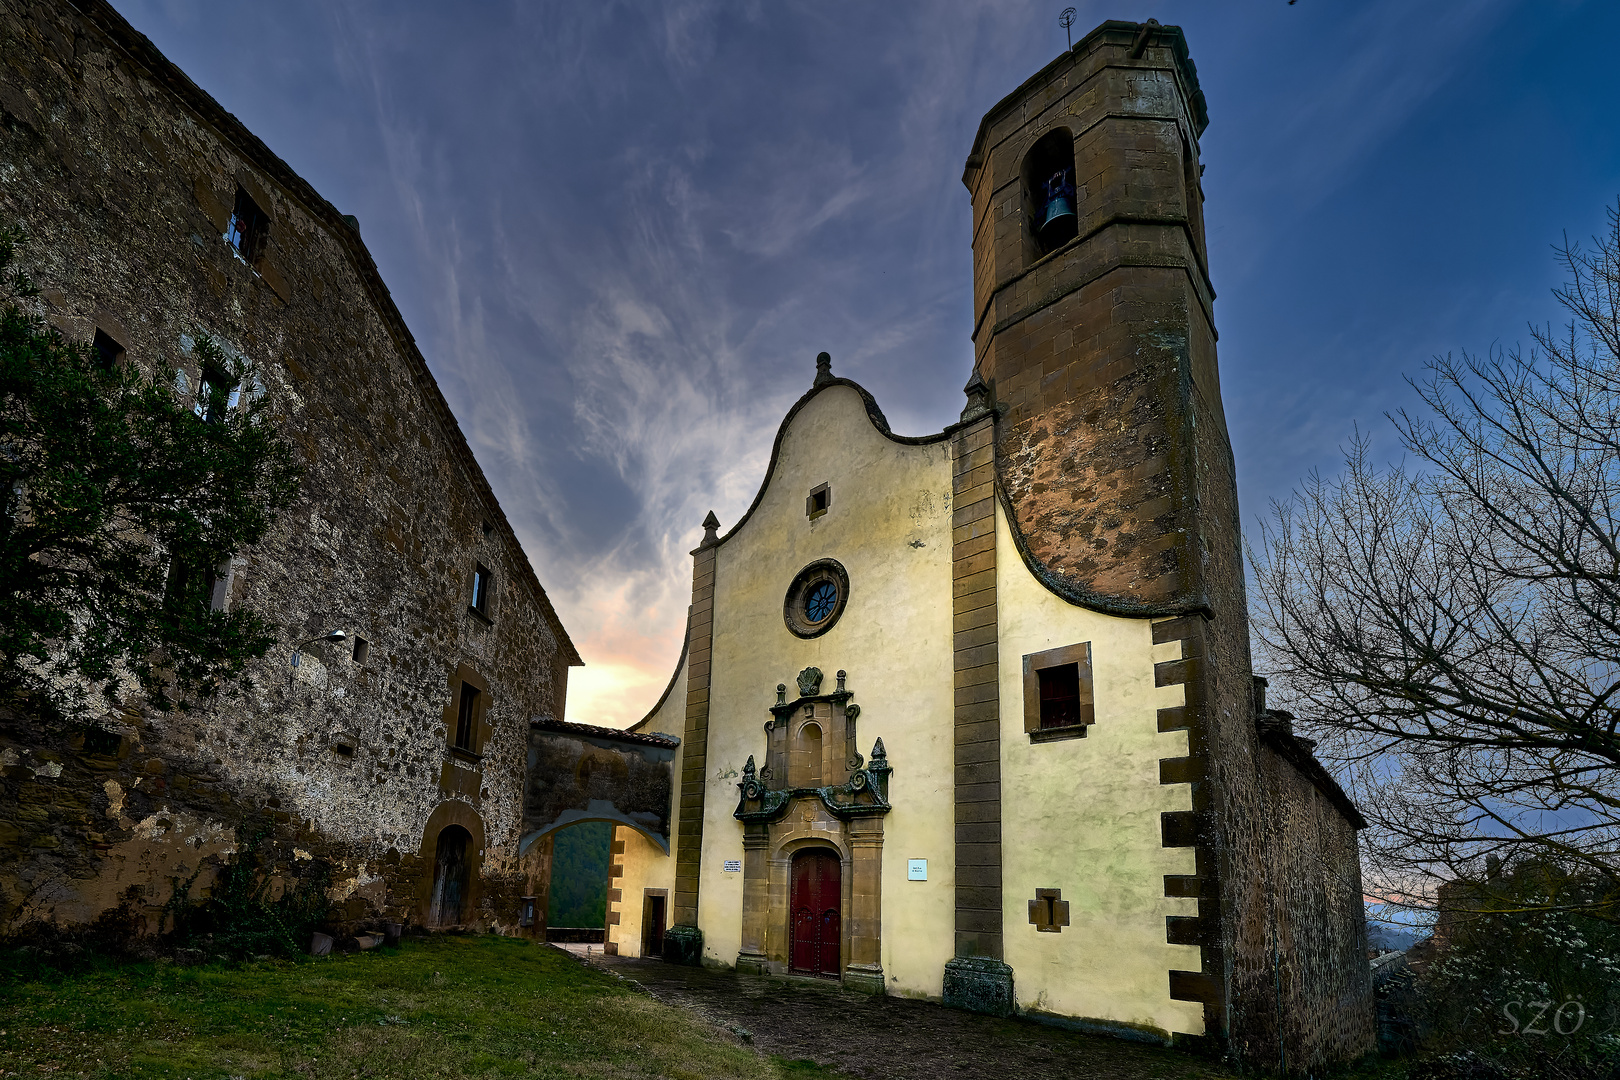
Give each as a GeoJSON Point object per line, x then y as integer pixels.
{"type": "Point", "coordinates": [1066, 20]}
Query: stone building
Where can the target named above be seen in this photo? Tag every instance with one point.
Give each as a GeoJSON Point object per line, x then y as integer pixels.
{"type": "Point", "coordinates": [397, 755]}
{"type": "Point", "coordinates": [970, 716]}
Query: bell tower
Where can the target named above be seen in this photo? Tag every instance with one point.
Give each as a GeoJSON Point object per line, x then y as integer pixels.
{"type": "Point", "coordinates": [1094, 326]}
{"type": "Point", "coordinates": [1094, 340]}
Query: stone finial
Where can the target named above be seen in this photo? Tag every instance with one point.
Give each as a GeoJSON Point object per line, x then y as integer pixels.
{"type": "Point", "coordinates": [841, 678]}
{"type": "Point", "coordinates": [711, 527]}
{"type": "Point", "coordinates": [824, 373]}
{"type": "Point", "coordinates": [978, 398]}
{"type": "Point", "coordinates": [748, 769]}
{"type": "Point", "coordinates": [880, 756]}
{"type": "Point", "coordinates": [781, 693]}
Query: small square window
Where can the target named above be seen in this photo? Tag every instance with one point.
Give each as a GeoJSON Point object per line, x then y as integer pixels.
{"type": "Point", "coordinates": [483, 585]}
{"type": "Point", "coordinates": [819, 500]}
{"type": "Point", "coordinates": [109, 354]}
{"type": "Point", "coordinates": [466, 716]}
{"type": "Point", "coordinates": [1060, 695]}
{"type": "Point", "coordinates": [362, 650]}
{"type": "Point", "coordinates": [1058, 700]}
{"type": "Point", "coordinates": [248, 228]}
{"type": "Point", "coordinates": [101, 742]}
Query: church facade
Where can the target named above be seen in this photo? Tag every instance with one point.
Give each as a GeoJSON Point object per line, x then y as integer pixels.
{"type": "Point", "coordinates": [970, 716]}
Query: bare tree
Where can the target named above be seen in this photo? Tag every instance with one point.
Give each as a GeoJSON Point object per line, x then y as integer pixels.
{"type": "Point", "coordinates": [1450, 626]}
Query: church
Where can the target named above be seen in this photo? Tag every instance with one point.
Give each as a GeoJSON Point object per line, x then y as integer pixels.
{"type": "Point", "coordinates": [970, 716]}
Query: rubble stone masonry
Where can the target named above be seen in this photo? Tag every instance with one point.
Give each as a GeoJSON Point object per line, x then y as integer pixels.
{"type": "Point", "coordinates": [123, 174]}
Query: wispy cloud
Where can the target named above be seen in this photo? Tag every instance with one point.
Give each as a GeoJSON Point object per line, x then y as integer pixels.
{"type": "Point", "coordinates": [621, 232]}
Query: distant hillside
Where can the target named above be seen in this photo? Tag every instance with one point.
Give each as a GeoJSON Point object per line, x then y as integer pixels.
{"type": "Point", "coordinates": [579, 875]}
{"type": "Point", "coordinates": [1390, 938]}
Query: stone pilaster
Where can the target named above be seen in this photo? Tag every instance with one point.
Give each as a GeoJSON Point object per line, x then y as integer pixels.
{"type": "Point", "coordinates": [864, 971]}
{"type": "Point", "coordinates": [694, 746]}
{"type": "Point", "coordinates": [756, 898]}
{"type": "Point", "coordinates": [976, 669]}
{"type": "Point", "coordinates": [977, 979]}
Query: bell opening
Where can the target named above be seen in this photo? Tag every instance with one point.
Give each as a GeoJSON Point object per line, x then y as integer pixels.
{"type": "Point", "coordinates": [1050, 192]}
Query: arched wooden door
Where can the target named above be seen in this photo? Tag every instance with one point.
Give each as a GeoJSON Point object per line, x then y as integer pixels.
{"type": "Point", "coordinates": [815, 896]}
{"type": "Point", "coordinates": [449, 877]}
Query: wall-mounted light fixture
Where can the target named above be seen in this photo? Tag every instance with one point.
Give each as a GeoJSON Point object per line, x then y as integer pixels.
{"type": "Point", "coordinates": [335, 635]}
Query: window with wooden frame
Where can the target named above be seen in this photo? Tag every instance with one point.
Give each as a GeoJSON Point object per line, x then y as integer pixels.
{"type": "Point", "coordinates": [466, 723]}
{"type": "Point", "coordinates": [483, 587]}
{"type": "Point", "coordinates": [818, 501]}
{"type": "Point", "coordinates": [466, 717]}
{"type": "Point", "coordinates": [248, 228]}
{"type": "Point", "coordinates": [217, 394]}
{"type": "Point", "coordinates": [1058, 701]}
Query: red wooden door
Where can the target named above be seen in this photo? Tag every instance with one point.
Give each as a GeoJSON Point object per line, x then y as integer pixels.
{"type": "Point", "coordinates": [815, 899]}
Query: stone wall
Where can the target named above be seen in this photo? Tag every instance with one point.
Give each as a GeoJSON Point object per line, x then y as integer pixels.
{"type": "Point", "coordinates": [124, 174]}
{"type": "Point", "coordinates": [1310, 1004]}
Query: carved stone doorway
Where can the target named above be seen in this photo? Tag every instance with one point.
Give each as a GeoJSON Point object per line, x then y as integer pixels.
{"type": "Point", "coordinates": [449, 877]}
{"type": "Point", "coordinates": [815, 899]}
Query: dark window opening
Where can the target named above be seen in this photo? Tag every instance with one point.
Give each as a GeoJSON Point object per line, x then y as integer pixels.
{"type": "Point", "coordinates": [466, 716]}
{"type": "Point", "coordinates": [818, 502]}
{"type": "Point", "coordinates": [362, 649]}
{"type": "Point", "coordinates": [343, 749]}
{"type": "Point", "coordinates": [217, 394]}
{"type": "Point", "coordinates": [526, 910]}
{"type": "Point", "coordinates": [1057, 693]}
{"type": "Point", "coordinates": [483, 581]}
{"type": "Point", "coordinates": [488, 528]}
{"type": "Point", "coordinates": [101, 742]}
{"type": "Point", "coordinates": [109, 354]}
{"type": "Point", "coordinates": [1050, 192]}
{"type": "Point", "coordinates": [185, 587]}
{"type": "Point", "coordinates": [1060, 696]}
{"type": "Point", "coordinates": [247, 229]}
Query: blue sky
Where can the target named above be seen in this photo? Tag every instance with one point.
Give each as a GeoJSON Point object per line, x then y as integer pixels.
{"type": "Point", "coordinates": [622, 231]}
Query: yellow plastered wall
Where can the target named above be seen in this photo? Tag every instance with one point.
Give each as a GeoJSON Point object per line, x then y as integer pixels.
{"type": "Point", "coordinates": [645, 864]}
{"type": "Point", "coordinates": [645, 867]}
{"type": "Point", "coordinates": [889, 525]}
{"type": "Point", "coordinates": [1082, 815]}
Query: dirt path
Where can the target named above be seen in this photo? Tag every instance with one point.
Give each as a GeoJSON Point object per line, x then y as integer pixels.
{"type": "Point", "coordinates": [889, 1038]}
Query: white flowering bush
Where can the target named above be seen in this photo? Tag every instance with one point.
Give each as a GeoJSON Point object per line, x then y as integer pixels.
{"type": "Point", "coordinates": [1519, 989]}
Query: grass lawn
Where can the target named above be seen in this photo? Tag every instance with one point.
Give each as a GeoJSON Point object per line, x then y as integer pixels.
{"type": "Point", "coordinates": [445, 1006]}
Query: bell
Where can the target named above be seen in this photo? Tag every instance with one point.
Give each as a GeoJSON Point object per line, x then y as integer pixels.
{"type": "Point", "coordinates": [1058, 207]}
